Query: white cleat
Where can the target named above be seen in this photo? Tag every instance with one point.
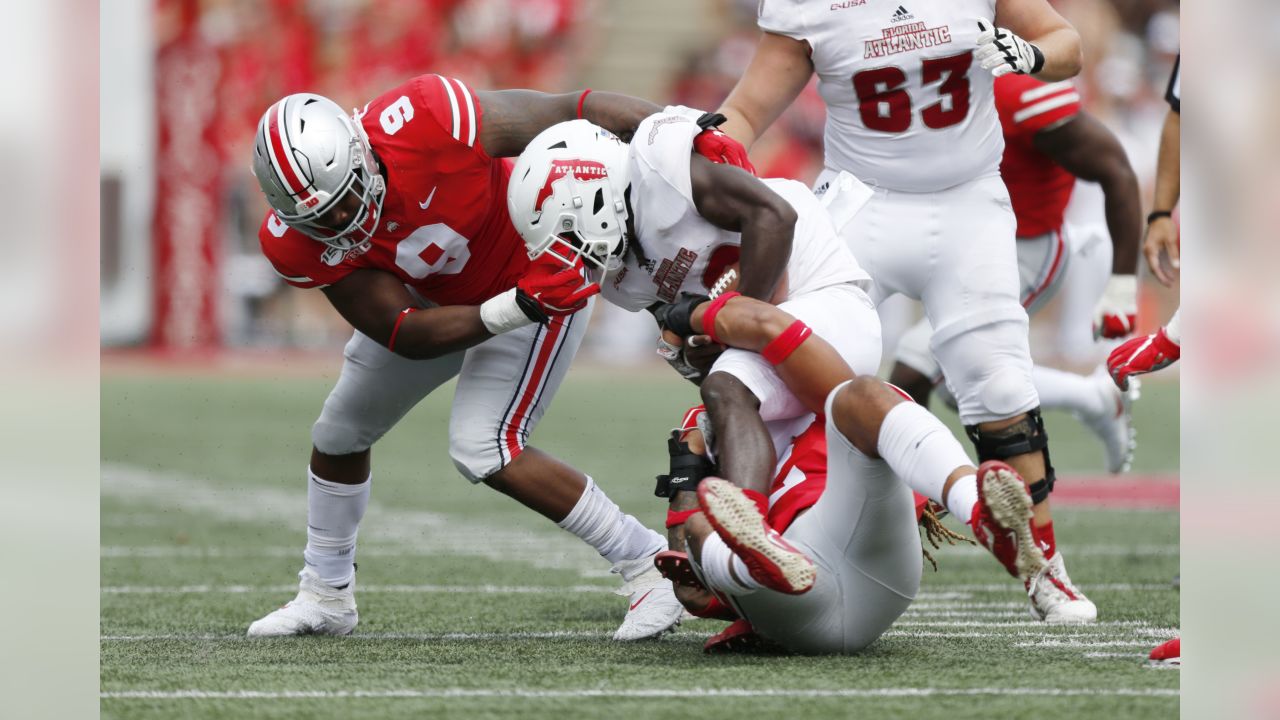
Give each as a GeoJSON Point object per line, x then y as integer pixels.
{"type": "Point", "coordinates": [1055, 599]}
{"type": "Point", "coordinates": [1114, 427]}
{"type": "Point", "coordinates": [318, 609]}
{"type": "Point", "coordinates": [652, 607]}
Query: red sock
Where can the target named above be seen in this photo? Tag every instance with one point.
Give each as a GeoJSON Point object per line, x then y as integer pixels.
{"type": "Point", "coordinates": [1044, 536]}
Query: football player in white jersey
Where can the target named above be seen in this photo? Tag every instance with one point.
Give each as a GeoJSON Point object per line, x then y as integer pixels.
{"type": "Point", "coordinates": [659, 228]}
{"type": "Point", "coordinates": [910, 111]}
{"type": "Point", "coordinates": [834, 557]}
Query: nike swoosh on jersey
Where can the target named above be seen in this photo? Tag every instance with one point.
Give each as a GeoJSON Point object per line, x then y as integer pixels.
{"type": "Point", "coordinates": [427, 203]}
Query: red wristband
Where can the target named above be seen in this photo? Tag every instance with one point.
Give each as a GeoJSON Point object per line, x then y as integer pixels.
{"type": "Point", "coordinates": [760, 499]}
{"type": "Point", "coordinates": [678, 517]}
{"type": "Point", "coordinates": [786, 343]}
{"type": "Point", "coordinates": [391, 344]}
{"type": "Point", "coordinates": [709, 317]}
{"type": "Point", "coordinates": [582, 99]}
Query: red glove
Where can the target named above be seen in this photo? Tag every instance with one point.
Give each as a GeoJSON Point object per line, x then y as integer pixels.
{"type": "Point", "coordinates": [720, 148]}
{"type": "Point", "coordinates": [552, 289]}
{"type": "Point", "coordinates": [1142, 355]}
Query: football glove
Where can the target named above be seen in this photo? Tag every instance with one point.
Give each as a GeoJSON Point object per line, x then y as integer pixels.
{"type": "Point", "coordinates": [548, 289]}
{"type": "Point", "coordinates": [1142, 355]}
{"type": "Point", "coordinates": [678, 315]}
{"type": "Point", "coordinates": [718, 147]}
{"type": "Point", "coordinates": [1116, 314]}
{"type": "Point", "coordinates": [556, 289]}
{"type": "Point", "coordinates": [1002, 52]}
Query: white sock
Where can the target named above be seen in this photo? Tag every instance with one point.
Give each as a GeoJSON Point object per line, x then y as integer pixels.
{"type": "Point", "coordinates": [1173, 329]}
{"type": "Point", "coordinates": [920, 449]}
{"type": "Point", "coordinates": [615, 535]}
{"type": "Point", "coordinates": [717, 559]}
{"type": "Point", "coordinates": [334, 511]}
{"type": "Point", "coordinates": [1059, 389]}
{"type": "Point", "coordinates": [962, 498]}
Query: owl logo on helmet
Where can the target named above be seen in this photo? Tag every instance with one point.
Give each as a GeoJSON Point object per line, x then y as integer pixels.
{"type": "Point", "coordinates": [317, 171]}
{"type": "Point", "coordinates": [566, 195]}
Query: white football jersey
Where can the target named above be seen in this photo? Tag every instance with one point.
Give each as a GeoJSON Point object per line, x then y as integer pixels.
{"type": "Point", "coordinates": [679, 251]}
{"type": "Point", "coordinates": [907, 108]}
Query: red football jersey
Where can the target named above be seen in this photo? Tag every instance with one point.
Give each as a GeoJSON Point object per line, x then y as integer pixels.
{"type": "Point", "coordinates": [801, 478]}
{"type": "Point", "coordinates": [444, 228]}
{"type": "Point", "coordinates": [1039, 188]}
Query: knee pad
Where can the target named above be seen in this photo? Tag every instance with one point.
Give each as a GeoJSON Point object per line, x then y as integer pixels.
{"type": "Point", "coordinates": [1025, 436]}
{"type": "Point", "coordinates": [338, 433]}
{"type": "Point", "coordinates": [477, 454]}
{"type": "Point", "coordinates": [1004, 392]}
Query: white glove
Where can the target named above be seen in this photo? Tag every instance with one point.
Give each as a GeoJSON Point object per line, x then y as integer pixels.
{"type": "Point", "coordinates": [1116, 313]}
{"type": "Point", "coordinates": [1002, 52]}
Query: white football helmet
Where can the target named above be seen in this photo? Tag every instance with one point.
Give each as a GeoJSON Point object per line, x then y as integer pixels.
{"type": "Point", "coordinates": [315, 166]}
{"type": "Point", "coordinates": [567, 192]}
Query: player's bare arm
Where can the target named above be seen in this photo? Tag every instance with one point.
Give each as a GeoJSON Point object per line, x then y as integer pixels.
{"type": "Point", "coordinates": [733, 199]}
{"type": "Point", "coordinates": [373, 300]}
{"type": "Point", "coordinates": [513, 117]}
{"type": "Point", "coordinates": [778, 72]}
{"type": "Point", "coordinates": [377, 304]}
{"type": "Point", "coordinates": [1162, 231]}
{"type": "Point", "coordinates": [1037, 22]}
{"type": "Point", "coordinates": [1088, 150]}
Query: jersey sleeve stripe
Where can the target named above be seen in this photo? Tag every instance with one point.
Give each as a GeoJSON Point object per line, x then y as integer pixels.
{"type": "Point", "coordinates": [471, 112]}
{"type": "Point", "coordinates": [453, 105]}
{"type": "Point", "coordinates": [1045, 106]}
{"type": "Point", "coordinates": [294, 278]}
{"type": "Point", "coordinates": [1043, 91]}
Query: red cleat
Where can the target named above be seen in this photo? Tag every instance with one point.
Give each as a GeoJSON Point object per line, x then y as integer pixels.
{"type": "Point", "coordinates": [675, 567]}
{"type": "Point", "coordinates": [1002, 520]}
{"type": "Point", "coordinates": [772, 561]}
{"type": "Point", "coordinates": [739, 637]}
{"type": "Point", "coordinates": [1167, 654]}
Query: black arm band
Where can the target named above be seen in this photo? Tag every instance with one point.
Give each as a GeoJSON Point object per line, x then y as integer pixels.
{"type": "Point", "coordinates": [687, 469]}
{"type": "Point", "coordinates": [711, 120]}
{"type": "Point", "coordinates": [1159, 214]}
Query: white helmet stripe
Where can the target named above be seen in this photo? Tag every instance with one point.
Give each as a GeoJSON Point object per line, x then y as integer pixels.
{"type": "Point", "coordinates": [471, 113]}
{"type": "Point", "coordinates": [282, 128]}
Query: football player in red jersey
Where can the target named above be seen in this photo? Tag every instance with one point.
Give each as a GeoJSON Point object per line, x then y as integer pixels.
{"type": "Point", "coordinates": [1049, 142]}
{"type": "Point", "coordinates": [397, 214]}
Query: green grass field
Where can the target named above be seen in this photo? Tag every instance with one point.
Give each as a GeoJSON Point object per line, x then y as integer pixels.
{"type": "Point", "coordinates": [474, 607]}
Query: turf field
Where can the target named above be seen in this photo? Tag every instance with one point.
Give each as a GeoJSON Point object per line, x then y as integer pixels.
{"type": "Point", "coordinates": [473, 607]}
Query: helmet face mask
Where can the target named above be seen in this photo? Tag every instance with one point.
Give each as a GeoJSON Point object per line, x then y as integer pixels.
{"type": "Point", "coordinates": [566, 196]}
{"type": "Point", "coordinates": [315, 166]}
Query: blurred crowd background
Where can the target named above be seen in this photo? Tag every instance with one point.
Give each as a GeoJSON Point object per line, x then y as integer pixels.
{"type": "Point", "coordinates": [181, 269]}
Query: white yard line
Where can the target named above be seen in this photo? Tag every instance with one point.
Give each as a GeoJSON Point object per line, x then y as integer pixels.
{"type": "Point", "coordinates": [538, 544]}
{"type": "Point", "coordinates": [368, 550]}
{"type": "Point", "coordinates": [425, 589]}
{"type": "Point", "coordinates": [1031, 638]}
{"type": "Point", "coordinates": [664, 693]}
{"type": "Point", "coordinates": [1114, 655]}
{"type": "Point", "coordinates": [1077, 643]}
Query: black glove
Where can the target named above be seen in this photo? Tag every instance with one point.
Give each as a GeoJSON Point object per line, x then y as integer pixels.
{"type": "Point", "coordinates": [676, 316]}
{"type": "Point", "coordinates": [687, 469]}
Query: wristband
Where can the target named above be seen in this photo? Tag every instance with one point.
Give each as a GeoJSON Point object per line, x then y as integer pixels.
{"type": "Point", "coordinates": [678, 517]}
{"type": "Point", "coordinates": [502, 313]}
{"type": "Point", "coordinates": [391, 343]}
{"type": "Point", "coordinates": [1037, 60]}
{"type": "Point", "coordinates": [782, 346]}
{"type": "Point", "coordinates": [709, 317]}
{"type": "Point", "coordinates": [582, 99]}
{"type": "Point", "coordinates": [1159, 214]}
